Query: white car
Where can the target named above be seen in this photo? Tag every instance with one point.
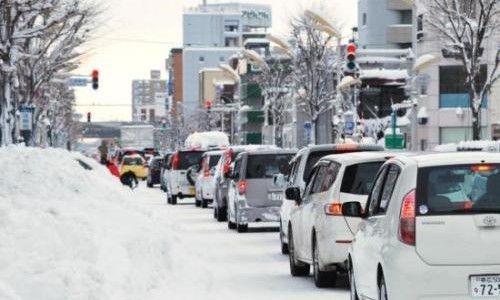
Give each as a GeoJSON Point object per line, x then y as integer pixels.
{"type": "Point", "coordinates": [301, 167]}
{"type": "Point", "coordinates": [430, 230]}
{"type": "Point", "coordinates": [178, 185]}
{"type": "Point", "coordinates": [319, 235]}
{"type": "Point", "coordinates": [205, 184]}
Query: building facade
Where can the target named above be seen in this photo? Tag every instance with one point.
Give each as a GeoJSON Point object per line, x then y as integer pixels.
{"type": "Point", "coordinates": [149, 99]}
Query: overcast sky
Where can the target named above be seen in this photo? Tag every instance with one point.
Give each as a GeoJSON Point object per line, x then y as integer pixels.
{"type": "Point", "coordinates": [136, 36]}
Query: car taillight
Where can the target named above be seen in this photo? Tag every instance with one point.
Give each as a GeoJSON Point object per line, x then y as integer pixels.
{"type": "Point", "coordinates": [333, 209]}
{"type": "Point", "coordinates": [242, 187]}
{"type": "Point", "coordinates": [407, 220]}
{"type": "Point", "coordinates": [176, 161]}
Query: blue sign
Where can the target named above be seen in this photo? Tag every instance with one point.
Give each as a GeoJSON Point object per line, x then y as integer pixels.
{"type": "Point", "coordinates": [77, 81]}
{"type": "Point", "coordinates": [308, 125]}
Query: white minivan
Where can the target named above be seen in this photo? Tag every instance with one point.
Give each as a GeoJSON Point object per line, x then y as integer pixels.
{"type": "Point", "coordinates": [430, 230]}
{"type": "Point", "coordinates": [318, 233]}
{"type": "Point", "coordinates": [178, 185]}
{"type": "Point", "coordinates": [205, 184]}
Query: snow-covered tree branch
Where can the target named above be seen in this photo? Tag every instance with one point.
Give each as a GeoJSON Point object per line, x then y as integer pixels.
{"type": "Point", "coordinates": [466, 27]}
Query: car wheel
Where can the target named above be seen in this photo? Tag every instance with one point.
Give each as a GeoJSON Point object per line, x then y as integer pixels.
{"type": "Point", "coordinates": [215, 212]}
{"type": "Point", "coordinates": [382, 289]}
{"type": "Point", "coordinates": [321, 278]}
{"type": "Point", "coordinates": [296, 268]}
{"type": "Point", "coordinates": [221, 214]}
{"type": "Point", "coordinates": [231, 225]}
{"type": "Point", "coordinates": [197, 202]}
{"type": "Point", "coordinates": [204, 203]}
{"type": "Point", "coordinates": [284, 246]}
{"type": "Point", "coordinates": [173, 200]}
{"type": "Point", "coordinates": [352, 283]}
{"type": "Point", "coordinates": [242, 228]}
{"type": "Point", "coordinates": [149, 184]}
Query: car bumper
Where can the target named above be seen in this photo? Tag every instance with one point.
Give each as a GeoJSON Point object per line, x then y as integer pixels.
{"type": "Point", "coordinates": [185, 191]}
{"type": "Point", "coordinates": [259, 214]}
{"type": "Point", "coordinates": [408, 277]}
{"type": "Point", "coordinates": [334, 240]}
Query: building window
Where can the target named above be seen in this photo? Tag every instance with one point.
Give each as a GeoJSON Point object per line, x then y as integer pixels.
{"type": "Point", "coordinates": [448, 135]}
{"type": "Point", "coordinates": [453, 91]}
{"type": "Point", "coordinates": [420, 27]}
{"type": "Point", "coordinates": [152, 115]}
{"type": "Point", "coordinates": [143, 115]}
{"type": "Point", "coordinates": [364, 18]}
{"type": "Point", "coordinates": [406, 17]}
{"type": "Point", "coordinates": [202, 59]}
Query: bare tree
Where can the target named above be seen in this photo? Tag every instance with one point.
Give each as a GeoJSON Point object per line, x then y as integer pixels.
{"type": "Point", "coordinates": [465, 28]}
{"type": "Point", "coordinates": [276, 82]}
{"type": "Point", "coordinates": [38, 40]}
{"type": "Point", "coordinates": [314, 69]}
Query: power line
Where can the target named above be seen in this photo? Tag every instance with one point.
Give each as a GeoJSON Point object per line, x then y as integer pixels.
{"type": "Point", "coordinates": [141, 41]}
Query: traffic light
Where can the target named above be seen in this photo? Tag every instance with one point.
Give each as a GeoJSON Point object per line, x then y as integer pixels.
{"type": "Point", "coordinates": [351, 66]}
{"type": "Point", "coordinates": [208, 104]}
{"type": "Point", "coordinates": [95, 79]}
{"type": "Point", "coordinates": [89, 117]}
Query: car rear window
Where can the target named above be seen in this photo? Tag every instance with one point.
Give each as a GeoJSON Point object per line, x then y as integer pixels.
{"type": "Point", "coordinates": [189, 158]}
{"type": "Point", "coordinates": [133, 161]}
{"type": "Point", "coordinates": [312, 159]}
{"type": "Point", "coordinates": [214, 159]}
{"type": "Point", "coordinates": [463, 189]}
{"type": "Point", "coordinates": [267, 165]}
{"type": "Point", "coordinates": [359, 178]}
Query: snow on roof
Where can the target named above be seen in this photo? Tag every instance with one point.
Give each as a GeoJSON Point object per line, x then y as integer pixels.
{"type": "Point", "coordinates": [378, 59]}
{"type": "Point", "coordinates": [207, 139]}
{"type": "Point", "coordinates": [384, 74]}
{"type": "Point", "coordinates": [488, 146]}
{"type": "Point", "coordinates": [256, 41]}
{"type": "Point", "coordinates": [72, 233]}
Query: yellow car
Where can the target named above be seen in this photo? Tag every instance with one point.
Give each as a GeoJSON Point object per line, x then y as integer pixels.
{"type": "Point", "coordinates": [135, 164]}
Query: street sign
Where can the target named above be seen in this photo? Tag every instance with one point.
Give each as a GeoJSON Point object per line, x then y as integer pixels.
{"type": "Point", "coordinates": [26, 118]}
{"type": "Point", "coordinates": [396, 141]}
{"type": "Point", "coordinates": [77, 81]}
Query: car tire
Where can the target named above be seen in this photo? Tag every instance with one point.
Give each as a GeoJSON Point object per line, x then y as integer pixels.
{"type": "Point", "coordinates": [382, 289]}
{"type": "Point", "coordinates": [149, 184]}
{"type": "Point", "coordinates": [215, 212]}
{"type": "Point", "coordinates": [352, 283]}
{"type": "Point", "coordinates": [173, 200]}
{"type": "Point", "coordinates": [241, 228]}
{"type": "Point", "coordinates": [284, 246]}
{"type": "Point", "coordinates": [197, 202]}
{"type": "Point", "coordinates": [322, 279]}
{"type": "Point", "coordinates": [231, 225]}
{"type": "Point", "coordinates": [297, 269]}
{"type": "Point", "coordinates": [204, 203]}
{"type": "Point", "coordinates": [221, 214]}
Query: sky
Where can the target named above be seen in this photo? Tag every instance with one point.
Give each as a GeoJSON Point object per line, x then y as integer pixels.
{"type": "Point", "coordinates": [135, 36]}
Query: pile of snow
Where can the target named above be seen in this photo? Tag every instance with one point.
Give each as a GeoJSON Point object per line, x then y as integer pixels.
{"type": "Point", "coordinates": [71, 233]}
{"type": "Point", "coordinates": [207, 139]}
{"type": "Point", "coordinates": [387, 74]}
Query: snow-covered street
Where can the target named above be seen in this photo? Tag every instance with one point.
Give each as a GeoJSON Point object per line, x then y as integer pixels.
{"type": "Point", "coordinates": [247, 266]}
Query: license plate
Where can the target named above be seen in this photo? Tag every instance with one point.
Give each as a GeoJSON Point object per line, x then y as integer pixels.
{"type": "Point", "coordinates": [275, 196]}
{"type": "Point", "coordinates": [485, 286]}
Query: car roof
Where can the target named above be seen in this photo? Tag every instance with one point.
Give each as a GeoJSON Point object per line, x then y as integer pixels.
{"type": "Point", "coordinates": [213, 153]}
{"type": "Point", "coordinates": [133, 156]}
{"type": "Point", "coordinates": [451, 158]}
{"type": "Point", "coordinates": [239, 148]}
{"type": "Point", "coordinates": [342, 148]}
{"type": "Point", "coordinates": [357, 157]}
{"type": "Point", "coordinates": [275, 151]}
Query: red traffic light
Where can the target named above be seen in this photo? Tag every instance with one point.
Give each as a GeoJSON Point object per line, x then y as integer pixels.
{"type": "Point", "coordinates": [95, 79]}
{"type": "Point", "coordinates": [351, 48]}
{"type": "Point", "coordinates": [208, 104]}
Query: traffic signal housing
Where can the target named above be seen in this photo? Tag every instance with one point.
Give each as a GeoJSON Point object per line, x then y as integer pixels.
{"type": "Point", "coordinates": [89, 117]}
{"type": "Point", "coordinates": [95, 79]}
{"type": "Point", "coordinates": [351, 67]}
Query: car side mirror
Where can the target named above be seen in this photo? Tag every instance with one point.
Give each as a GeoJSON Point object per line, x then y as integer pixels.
{"type": "Point", "coordinates": [352, 209]}
{"type": "Point", "coordinates": [293, 193]}
{"type": "Point", "coordinates": [279, 180]}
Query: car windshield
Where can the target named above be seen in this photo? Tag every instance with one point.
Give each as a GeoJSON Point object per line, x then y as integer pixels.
{"type": "Point", "coordinates": [133, 161]}
{"type": "Point", "coordinates": [358, 179]}
{"type": "Point", "coordinates": [189, 158]}
{"type": "Point", "coordinates": [459, 189]}
{"type": "Point", "coordinates": [267, 165]}
{"type": "Point", "coordinates": [214, 159]}
{"type": "Point", "coordinates": [312, 159]}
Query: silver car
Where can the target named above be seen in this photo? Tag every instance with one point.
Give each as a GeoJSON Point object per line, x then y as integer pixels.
{"type": "Point", "coordinates": [253, 195]}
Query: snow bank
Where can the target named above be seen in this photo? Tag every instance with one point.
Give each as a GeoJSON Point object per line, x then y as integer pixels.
{"type": "Point", "coordinates": [71, 233]}
{"type": "Point", "coordinates": [207, 139]}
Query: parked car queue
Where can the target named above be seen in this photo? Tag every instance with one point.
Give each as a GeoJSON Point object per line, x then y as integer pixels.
{"type": "Point", "coordinates": [401, 226]}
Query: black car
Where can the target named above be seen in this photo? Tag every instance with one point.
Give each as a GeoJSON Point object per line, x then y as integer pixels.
{"type": "Point", "coordinates": [154, 171]}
